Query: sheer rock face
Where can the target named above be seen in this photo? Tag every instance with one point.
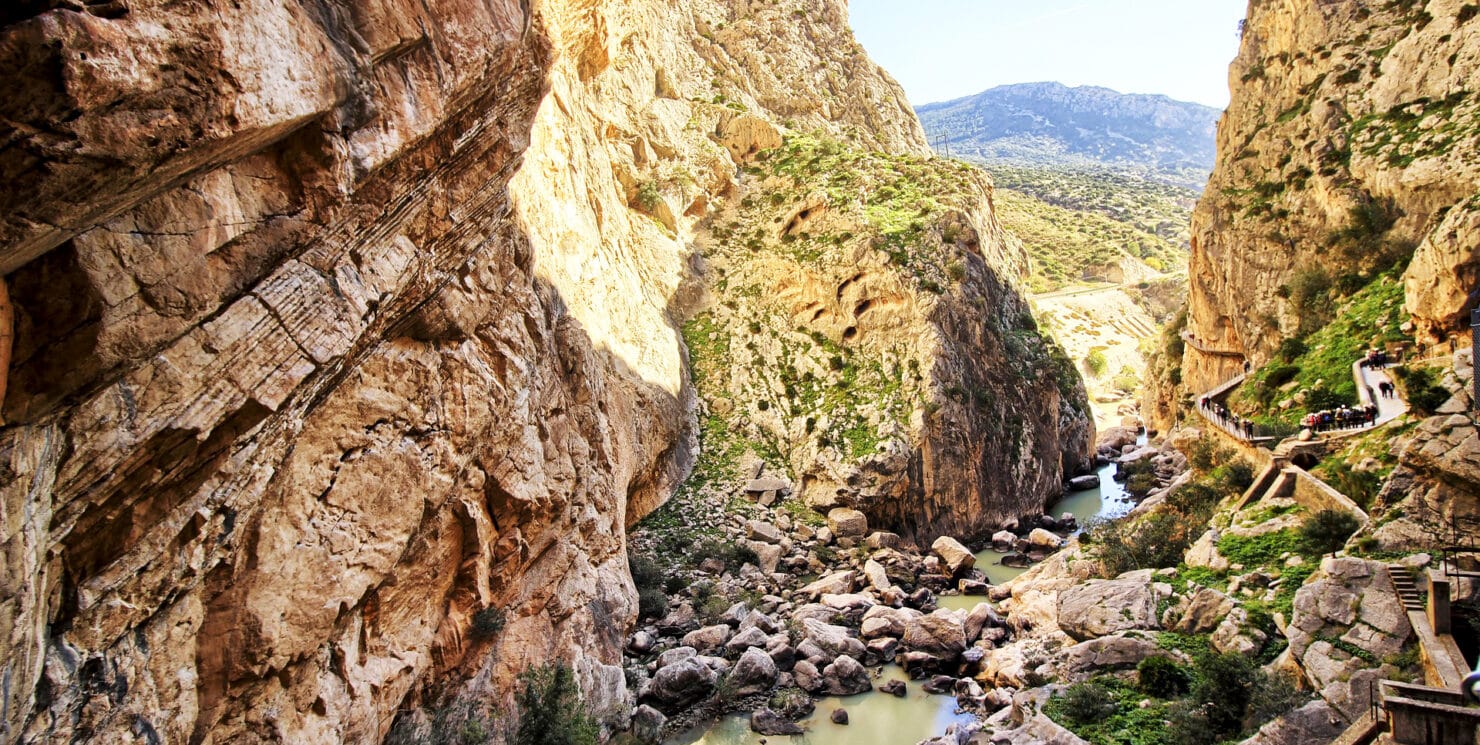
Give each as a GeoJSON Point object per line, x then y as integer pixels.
{"type": "Point", "coordinates": [1350, 139]}
{"type": "Point", "coordinates": [339, 323]}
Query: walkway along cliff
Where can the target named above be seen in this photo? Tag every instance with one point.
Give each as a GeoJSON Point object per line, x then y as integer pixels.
{"type": "Point", "coordinates": [339, 324]}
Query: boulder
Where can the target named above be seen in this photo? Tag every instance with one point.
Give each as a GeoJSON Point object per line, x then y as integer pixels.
{"type": "Point", "coordinates": [880, 539]}
{"type": "Point", "coordinates": [849, 602]}
{"type": "Point", "coordinates": [769, 723]}
{"type": "Point", "coordinates": [708, 639]}
{"type": "Point", "coordinates": [1103, 607]}
{"type": "Point", "coordinates": [981, 617]}
{"type": "Point", "coordinates": [881, 621]}
{"type": "Point", "coordinates": [1313, 722]}
{"type": "Point", "coordinates": [760, 530]}
{"type": "Point", "coordinates": [1206, 608]}
{"type": "Point", "coordinates": [647, 724]}
{"type": "Point", "coordinates": [641, 643]}
{"type": "Point", "coordinates": [877, 576]}
{"type": "Point", "coordinates": [824, 535]}
{"type": "Point", "coordinates": [883, 648]}
{"type": "Point", "coordinates": [1084, 483]}
{"type": "Point", "coordinates": [839, 716]}
{"type": "Point", "coordinates": [835, 641]}
{"type": "Point", "coordinates": [838, 583]}
{"type": "Point", "coordinates": [957, 557]}
{"type": "Point", "coordinates": [675, 655]}
{"type": "Point", "coordinates": [941, 634]}
{"type": "Point", "coordinates": [846, 677]}
{"type": "Point", "coordinates": [939, 685]}
{"type": "Point", "coordinates": [755, 672]}
{"type": "Point", "coordinates": [807, 676]}
{"type": "Point", "coordinates": [767, 555]}
{"type": "Point", "coordinates": [1119, 652]}
{"type": "Point", "coordinates": [1116, 438]}
{"type": "Point", "coordinates": [973, 587]}
{"type": "Point", "coordinates": [760, 621]}
{"type": "Point", "coordinates": [751, 637]}
{"type": "Point", "coordinates": [680, 685]}
{"type": "Point", "coordinates": [1044, 539]}
{"type": "Point", "coordinates": [1235, 635]}
{"type": "Point", "coordinates": [847, 523]}
{"type": "Point", "coordinates": [896, 688]}
{"type": "Point", "coordinates": [763, 485]}
{"type": "Point", "coordinates": [1003, 540]}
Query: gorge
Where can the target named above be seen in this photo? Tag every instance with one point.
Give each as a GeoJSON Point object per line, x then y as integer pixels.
{"type": "Point", "coordinates": [370, 355]}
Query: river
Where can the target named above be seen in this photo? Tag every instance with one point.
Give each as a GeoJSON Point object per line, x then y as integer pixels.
{"type": "Point", "coordinates": [881, 719]}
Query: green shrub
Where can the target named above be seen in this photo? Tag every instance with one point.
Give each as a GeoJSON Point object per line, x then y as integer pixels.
{"type": "Point", "coordinates": [1259, 550]}
{"type": "Point", "coordinates": [488, 622]}
{"type": "Point", "coordinates": [1088, 702]}
{"type": "Point", "coordinates": [1289, 349]}
{"type": "Point", "coordinates": [648, 196]}
{"type": "Point", "coordinates": [1223, 688]}
{"type": "Point", "coordinates": [1281, 375]}
{"type": "Point", "coordinates": [1327, 531]}
{"type": "Point", "coordinates": [647, 577]}
{"type": "Point", "coordinates": [651, 603]}
{"type": "Point", "coordinates": [1153, 542]}
{"type": "Point", "coordinates": [1422, 389]}
{"type": "Point", "coordinates": [1235, 477]}
{"type": "Point", "coordinates": [734, 555]}
{"type": "Point", "coordinates": [1205, 453]}
{"type": "Point", "coordinates": [550, 709]}
{"type": "Point", "coordinates": [1161, 677]}
{"type": "Point", "coordinates": [1095, 363]}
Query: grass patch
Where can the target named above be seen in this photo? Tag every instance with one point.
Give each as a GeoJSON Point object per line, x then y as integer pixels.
{"type": "Point", "coordinates": [1323, 366]}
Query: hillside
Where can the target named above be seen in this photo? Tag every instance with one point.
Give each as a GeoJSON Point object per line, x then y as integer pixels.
{"type": "Point", "coordinates": [1053, 124]}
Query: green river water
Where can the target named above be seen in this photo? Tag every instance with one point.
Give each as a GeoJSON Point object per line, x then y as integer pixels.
{"type": "Point", "coordinates": [881, 719]}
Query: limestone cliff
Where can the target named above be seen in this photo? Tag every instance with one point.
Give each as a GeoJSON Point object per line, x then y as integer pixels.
{"type": "Point", "coordinates": [340, 325]}
{"type": "Point", "coordinates": [863, 330]}
{"type": "Point", "coordinates": [1350, 146]}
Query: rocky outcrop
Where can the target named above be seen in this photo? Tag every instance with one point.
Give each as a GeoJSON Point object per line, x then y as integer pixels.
{"type": "Point", "coordinates": [1347, 148]}
{"type": "Point", "coordinates": [1348, 606]}
{"type": "Point", "coordinates": [850, 297]}
{"type": "Point", "coordinates": [345, 345]}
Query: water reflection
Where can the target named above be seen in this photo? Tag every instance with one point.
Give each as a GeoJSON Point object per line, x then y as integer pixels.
{"type": "Point", "coordinates": [874, 719]}
{"type": "Point", "coordinates": [1110, 500]}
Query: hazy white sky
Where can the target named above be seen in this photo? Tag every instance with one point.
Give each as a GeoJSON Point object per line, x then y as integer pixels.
{"type": "Point", "coordinates": [944, 49]}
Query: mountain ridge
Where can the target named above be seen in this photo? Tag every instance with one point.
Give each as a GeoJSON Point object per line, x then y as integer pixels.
{"type": "Point", "coordinates": [1055, 124]}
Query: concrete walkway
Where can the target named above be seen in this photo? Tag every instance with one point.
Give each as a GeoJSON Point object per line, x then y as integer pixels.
{"type": "Point", "coordinates": [1368, 379]}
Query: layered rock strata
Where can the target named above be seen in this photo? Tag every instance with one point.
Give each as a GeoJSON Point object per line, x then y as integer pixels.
{"type": "Point", "coordinates": [346, 342]}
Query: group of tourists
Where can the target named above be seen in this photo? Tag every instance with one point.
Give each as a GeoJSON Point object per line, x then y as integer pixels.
{"type": "Point", "coordinates": [1241, 427]}
{"type": "Point", "coordinates": [1386, 389]}
{"type": "Point", "coordinates": [1346, 417]}
{"type": "Point", "coordinates": [1377, 359]}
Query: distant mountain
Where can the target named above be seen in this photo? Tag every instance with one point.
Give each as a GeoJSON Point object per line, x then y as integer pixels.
{"type": "Point", "coordinates": [1050, 124]}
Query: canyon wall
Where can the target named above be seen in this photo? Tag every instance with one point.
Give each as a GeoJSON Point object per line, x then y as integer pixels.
{"type": "Point", "coordinates": [341, 326]}
{"type": "Point", "coordinates": [1351, 144]}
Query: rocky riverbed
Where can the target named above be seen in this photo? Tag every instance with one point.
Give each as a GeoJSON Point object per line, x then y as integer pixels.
{"type": "Point", "coordinates": [779, 608]}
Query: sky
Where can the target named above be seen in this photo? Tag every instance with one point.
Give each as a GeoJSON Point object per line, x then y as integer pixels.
{"type": "Point", "coordinates": [945, 49]}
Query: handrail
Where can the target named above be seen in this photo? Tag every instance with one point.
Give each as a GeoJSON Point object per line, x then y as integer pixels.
{"type": "Point", "coordinates": [1199, 346]}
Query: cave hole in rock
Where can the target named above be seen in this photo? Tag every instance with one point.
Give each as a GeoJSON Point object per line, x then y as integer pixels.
{"type": "Point", "coordinates": [850, 333]}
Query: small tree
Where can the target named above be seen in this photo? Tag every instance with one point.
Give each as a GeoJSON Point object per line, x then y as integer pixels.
{"type": "Point", "coordinates": [550, 709]}
{"type": "Point", "coordinates": [1161, 677]}
{"type": "Point", "coordinates": [1095, 363]}
{"type": "Point", "coordinates": [1326, 531]}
